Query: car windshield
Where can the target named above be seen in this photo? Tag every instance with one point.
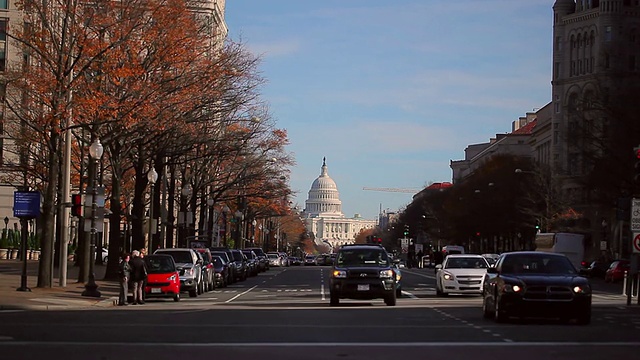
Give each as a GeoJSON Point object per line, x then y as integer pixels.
{"type": "Point", "coordinates": [217, 262]}
{"type": "Point", "coordinates": [362, 257]}
{"type": "Point", "coordinates": [159, 264]}
{"type": "Point", "coordinates": [466, 263]}
{"type": "Point", "coordinates": [237, 256]}
{"type": "Point", "coordinates": [272, 256]}
{"type": "Point", "coordinates": [537, 264]}
{"type": "Point", "coordinates": [180, 257]}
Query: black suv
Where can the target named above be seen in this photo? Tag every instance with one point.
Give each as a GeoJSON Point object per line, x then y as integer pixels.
{"type": "Point", "coordinates": [363, 272]}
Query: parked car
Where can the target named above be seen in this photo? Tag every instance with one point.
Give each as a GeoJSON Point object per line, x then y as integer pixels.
{"type": "Point", "coordinates": [241, 264]}
{"type": "Point", "coordinates": [616, 271]}
{"type": "Point", "coordinates": [253, 263]}
{"type": "Point", "coordinates": [189, 267]}
{"type": "Point", "coordinates": [228, 257]}
{"type": "Point", "coordinates": [274, 259]}
{"type": "Point", "coordinates": [461, 274]}
{"type": "Point", "coordinates": [208, 272]}
{"type": "Point", "coordinates": [596, 268]}
{"type": "Point", "coordinates": [263, 261]}
{"type": "Point", "coordinates": [536, 284]}
{"type": "Point", "coordinates": [295, 261]}
{"type": "Point", "coordinates": [163, 278]}
{"type": "Point", "coordinates": [221, 268]}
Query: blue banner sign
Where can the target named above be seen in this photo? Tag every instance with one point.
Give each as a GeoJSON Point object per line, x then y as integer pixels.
{"type": "Point", "coordinates": [26, 204]}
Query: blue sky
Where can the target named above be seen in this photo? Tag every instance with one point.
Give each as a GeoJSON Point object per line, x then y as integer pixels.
{"type": "Point", "coordinates": [391, 91]}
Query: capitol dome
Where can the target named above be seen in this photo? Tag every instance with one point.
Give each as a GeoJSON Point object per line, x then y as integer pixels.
{"type": "Point", "coordinates": [323, 199]}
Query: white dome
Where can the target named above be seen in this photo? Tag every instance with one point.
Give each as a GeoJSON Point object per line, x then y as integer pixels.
{"type": "Point", "coordinates": [324, 199]}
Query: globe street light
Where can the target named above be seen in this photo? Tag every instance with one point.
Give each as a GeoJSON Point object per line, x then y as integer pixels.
{"type": "Point", "coordinates": [225, 213]}
{"type": "Point", "coordinates": [210, 203]}
{"type": "Point", "coordinates": [186, 194]}
{"type": "Point", "coordinates": [91, 288]}
{"type": "Point", "coordinates": [152, 177]}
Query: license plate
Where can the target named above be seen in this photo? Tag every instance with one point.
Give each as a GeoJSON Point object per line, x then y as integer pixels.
{"type": "Point", "coordinates": [156, 290]}
{"type": "Point", "coordinates": [364, 287]}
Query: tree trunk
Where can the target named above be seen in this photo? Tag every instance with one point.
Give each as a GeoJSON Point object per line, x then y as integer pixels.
{"type": "Point", "coordinates": [48, 215]}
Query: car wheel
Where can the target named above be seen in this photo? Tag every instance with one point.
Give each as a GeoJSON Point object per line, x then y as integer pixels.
{"type": "Point", "coordinates": [390, 300]}
{"type": "Point", "coordinates": [176, 297]}
{"type": "Point", "coordinates": [193, 293]}
{"type": "Point", "coordinates": [486, 312]}
{"type": "Point", "coordinates": [499, 315]}
{"type": "Point", "coordinates": [334, 300]}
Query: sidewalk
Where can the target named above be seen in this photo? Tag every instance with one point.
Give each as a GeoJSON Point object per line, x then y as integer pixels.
{"type": "Point", "coordinates": [56, 297]}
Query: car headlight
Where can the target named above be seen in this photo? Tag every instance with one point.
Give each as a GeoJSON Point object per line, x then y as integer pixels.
{"type": "Point", "coordinates": [448, 276]}
{"type": "Point", "coordinates": [339, 274]}
{"type": "Point", "coordinates": [585, 289]}
{"type": "Point", "coordinates": [188, 272]}
{"type": "Point", "coordinates": [172, 277]}
{"type": "Point", "coordinates": [512, 288]}
{"type": "Point", "coordinates": [386, 274]}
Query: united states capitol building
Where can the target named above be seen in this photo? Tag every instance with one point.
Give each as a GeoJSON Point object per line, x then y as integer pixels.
{"type": "Point", "coordinates": [323, 215]}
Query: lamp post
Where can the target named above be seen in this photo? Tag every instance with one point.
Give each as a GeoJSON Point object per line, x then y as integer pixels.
{"type": "Point", "coordinates": [152, 176]}
{"type": "Point", "coordinates": [225, 213]}
{"type": "Point", "coordinates": [186, 193]}
{"type": "Point", "coordinates": [210, 203]}
{"type": "Point", "coordinates": [253, 232]}
{"type": "Point", "coordinates": [239, 217]}
{"type": "Point", "coordinates": [91, 288]}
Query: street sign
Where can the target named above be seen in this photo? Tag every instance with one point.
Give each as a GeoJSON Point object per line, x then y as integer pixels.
{"type": "Point", "coordinates": [26, 204]}
{"type": "Point", "coordinates": [636, 243]}
{"type": "Point", "coordinates": [635, 215]}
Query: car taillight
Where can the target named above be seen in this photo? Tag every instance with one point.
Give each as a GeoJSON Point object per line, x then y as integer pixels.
{"type": "Point", "coordinates": [584, 263]}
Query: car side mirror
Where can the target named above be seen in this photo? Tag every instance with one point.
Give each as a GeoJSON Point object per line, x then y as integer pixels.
{"type": "Point", "coordinates": [396, 261]}
{"type": "Point", "coordinates": [439, 266]}
{"type": "Point", "coordinates": [199, 262]}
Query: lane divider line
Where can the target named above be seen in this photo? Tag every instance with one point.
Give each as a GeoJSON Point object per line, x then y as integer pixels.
{"type": "Point", "coordinates": [242, 293]}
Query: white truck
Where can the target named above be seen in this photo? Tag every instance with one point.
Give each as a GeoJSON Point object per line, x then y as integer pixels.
{"type": "Point", "coordinates": [569, 244]}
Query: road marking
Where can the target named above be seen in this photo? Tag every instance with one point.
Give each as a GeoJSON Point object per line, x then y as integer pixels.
{"type": "Point", "coordinates": [242, 293]}
{"type": "Point", "coordinates": [327, 344]}
{"type": "Point", "coordinates": [409, 294]}
{"type": "Point", "coordinates": [322, 284]}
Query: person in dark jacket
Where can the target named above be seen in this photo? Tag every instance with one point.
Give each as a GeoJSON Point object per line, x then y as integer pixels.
{"type": "Point", "coordinates": [138, 276]}
{"type": "Point", "coordinates": [124, 274]}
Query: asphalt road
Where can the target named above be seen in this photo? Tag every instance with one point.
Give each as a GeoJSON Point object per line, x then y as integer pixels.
{"type": "Point", "coordinates": [284, 314]}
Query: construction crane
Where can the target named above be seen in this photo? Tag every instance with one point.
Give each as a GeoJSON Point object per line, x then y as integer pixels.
{"type": "Point", "coordinates": [400, 190]}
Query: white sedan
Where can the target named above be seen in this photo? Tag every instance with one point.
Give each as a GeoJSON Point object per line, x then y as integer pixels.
{"type": "Point", "coordinates": [461, 274]}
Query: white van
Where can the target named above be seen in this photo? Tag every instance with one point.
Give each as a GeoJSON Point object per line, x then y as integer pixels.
{"type": "Point", "coordinates": [452, 249]}
{"type": "Point", "coordinates": [569, 244]}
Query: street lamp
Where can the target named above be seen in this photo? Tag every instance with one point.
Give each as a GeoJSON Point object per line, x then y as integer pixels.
{"type": "Point", "coordinates": [210, 203]}
{"type": "Point", "coordinates": [225, 213]}
{"type": "Point", "coordinates": [186, 194]}
{"type": "Point", "coordinates": [253, 231]}
{"type": "Point", "coordinates": [239, 218]}
{"type": "Point", "coordinates": [91, 288]}
{"type": "Point", "coordinates": [152, 176]}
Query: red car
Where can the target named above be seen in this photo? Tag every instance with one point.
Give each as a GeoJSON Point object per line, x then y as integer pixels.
{"type": "Point", "coordinates": [163, 278]}
{"type": "Point", "coordinates": [616, 270]}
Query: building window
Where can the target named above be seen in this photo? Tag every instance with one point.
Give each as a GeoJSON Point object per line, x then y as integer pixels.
{"type": "Point", "coordinates": [558, 43]}
{"type": "Point", "coordinates": [4, 4]}
{"type": "Point", "coordinates": [607, 33]}
{"type": "Point", "coordinates": [556, 106]}
{"type": "Point", "coordinates": [556, 70]}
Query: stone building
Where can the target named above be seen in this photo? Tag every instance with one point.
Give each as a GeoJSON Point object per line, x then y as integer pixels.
{"type": "Point", "coordinates": [323, 215]}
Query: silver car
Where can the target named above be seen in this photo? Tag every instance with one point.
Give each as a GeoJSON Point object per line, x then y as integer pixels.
{"type": "Point", "coordinates": [189, 265]}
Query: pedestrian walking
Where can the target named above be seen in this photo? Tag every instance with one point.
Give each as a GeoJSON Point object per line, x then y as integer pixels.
{"type": "Point", "coordinates": [124, 274]}
{"type": "Point", "coordinates": [138, 277]}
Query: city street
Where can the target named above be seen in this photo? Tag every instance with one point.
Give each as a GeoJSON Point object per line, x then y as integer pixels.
{"type": "Point", "coordinates": [284, 313]}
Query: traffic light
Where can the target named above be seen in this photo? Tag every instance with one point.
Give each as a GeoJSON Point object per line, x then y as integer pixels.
{"type": "Point", "coordinates": [537, 224]}
{"type": "Point", "coordinates": [406, 230]}
{"type": "Point", "coordinates": [76, 205]}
